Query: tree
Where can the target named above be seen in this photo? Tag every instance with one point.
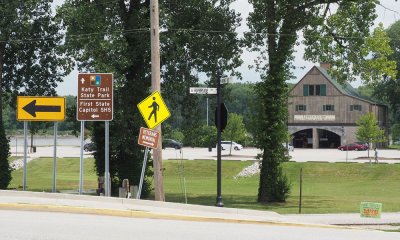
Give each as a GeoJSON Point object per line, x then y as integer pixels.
{"type": "Point", "coordinates": [114, 36]}
{"type": "Point", "coordinates": [29, 64]}
{"type": "Point", "coordinates": [369, 130]}
{"type": "Point", "coordinates": [335, 31]}
{"type": "Point", "coordinates": [241, 95]}
{"type": "Point", "coordinates": [235, 130]}
{"type": "Point", "coordinates": [389, 89]}
{"type": "Point", "coordinates": [395, 132]}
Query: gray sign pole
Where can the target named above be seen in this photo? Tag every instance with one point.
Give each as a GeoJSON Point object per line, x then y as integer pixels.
{"type": "Point", "coordinates": [81, 158]}
{"type": "Point", "coordinates": [25, 147]}
{"type": "Point", "coordinates": [142, 175]}
{"type": "Point", "coordinates": [207, 111]}
{"type": "Point", "coordinates": [107, 161]}
{"type": "Point", "coordinates": [55, 157]}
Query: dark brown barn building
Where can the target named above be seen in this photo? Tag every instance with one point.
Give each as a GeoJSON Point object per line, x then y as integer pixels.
{"type": "Point", "coordinates": [323, 113]}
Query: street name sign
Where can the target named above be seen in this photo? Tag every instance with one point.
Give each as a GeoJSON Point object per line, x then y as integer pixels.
{"type": "Point", "coordinates": [226, 80]}
{"type": "Point", "coordinates": [40, 108]}
{"type": "Point", "coordinates": [148, 138]}
{"type": "Point", "coordinates": [199, 90]}
{"type": "Point", "coordinates": [95, 97]}
{"type": "Point", "coordinates": [153, 110]}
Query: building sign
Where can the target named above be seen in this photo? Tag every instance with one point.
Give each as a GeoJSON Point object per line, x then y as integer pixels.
{"type": "Point", "coordinates": [40, 108]}
{"type": "Point", "coordinates": [148, 138]}
{"type": "Point", "coordinates": [370, 210]}
{"type": "Point", "coordinates": [314, 117]}
{"type": "Point", "coordinates": [153, 110]}
{"type": "Point", "coordinates": [95, 97]}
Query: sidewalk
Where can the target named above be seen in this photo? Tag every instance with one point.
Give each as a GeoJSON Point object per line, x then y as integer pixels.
{"type": "Point", "coordinates": [54, 202]}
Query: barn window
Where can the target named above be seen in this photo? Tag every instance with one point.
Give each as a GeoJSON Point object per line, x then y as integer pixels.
{"type": "Point", "coordinates": [328, 108]}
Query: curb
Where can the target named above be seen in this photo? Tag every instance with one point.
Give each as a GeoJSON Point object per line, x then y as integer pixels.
{"type": "Point", "coordinates": [144, 214]}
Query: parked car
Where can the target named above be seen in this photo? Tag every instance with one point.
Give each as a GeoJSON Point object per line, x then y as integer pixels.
{"type": "Point", "coordinates": [289, 146]}
{"type": "Point", "coordinates": [225, 145]}
{"type": "Point", "coordinates": [88, 147]}
{"type": "Point", "coordinates": [351, 146]}
{"type": "Point", "coordinates": [364, 144]}
{"type": "Point", "coordinates": [170, 143]}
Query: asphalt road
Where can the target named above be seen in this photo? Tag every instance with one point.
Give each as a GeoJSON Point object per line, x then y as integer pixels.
{"type": "Point", "coordinates": [27, 225]}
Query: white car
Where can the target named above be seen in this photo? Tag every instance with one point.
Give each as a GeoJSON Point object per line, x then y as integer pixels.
{"type": "Point", "coordinates": [289, 146]}
{"type": "Point", "coordinates": [226, 145]}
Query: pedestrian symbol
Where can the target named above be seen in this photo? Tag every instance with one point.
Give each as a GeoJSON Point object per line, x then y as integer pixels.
{"type": "Point", "coordinates": [153, 110]}
{"type": "Point", "coordinates": [156, 108]}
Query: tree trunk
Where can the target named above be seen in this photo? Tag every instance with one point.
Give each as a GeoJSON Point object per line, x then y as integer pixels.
{"type": "Point", "coordinates": [273, 93]}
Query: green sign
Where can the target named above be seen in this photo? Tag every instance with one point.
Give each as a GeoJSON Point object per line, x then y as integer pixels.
{"type": "Point", "coordinates": [370, 210]}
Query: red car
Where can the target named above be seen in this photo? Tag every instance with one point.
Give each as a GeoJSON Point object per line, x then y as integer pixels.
{"type": "Point", "coordinates": [351, 146]}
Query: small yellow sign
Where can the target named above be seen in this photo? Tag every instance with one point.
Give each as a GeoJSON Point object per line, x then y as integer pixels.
{"type": "Point", "coordinates": [40, 108]}
{"type": "Point", "coordinates": [153, 110]}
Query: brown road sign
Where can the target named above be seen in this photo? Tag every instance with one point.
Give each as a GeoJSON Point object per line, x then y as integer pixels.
{"type": "Point", "coordinates": [148, 138]}
{"type": "Point", "coordinates": [95, 97]}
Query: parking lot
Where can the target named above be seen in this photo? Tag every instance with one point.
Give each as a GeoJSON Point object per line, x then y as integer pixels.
{"type": "Point", "coordinates": [298, 155]}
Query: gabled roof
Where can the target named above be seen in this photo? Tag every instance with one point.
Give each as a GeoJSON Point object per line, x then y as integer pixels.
{"type": "Point", "coordinates": [347, 89]}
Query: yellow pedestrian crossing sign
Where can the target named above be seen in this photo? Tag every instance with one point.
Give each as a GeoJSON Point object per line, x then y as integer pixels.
{"type": "Point", "coordinates": [153, 110]}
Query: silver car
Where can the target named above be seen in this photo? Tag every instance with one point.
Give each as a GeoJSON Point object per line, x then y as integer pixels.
{"type": "Point", "coordinates": [226, 145]}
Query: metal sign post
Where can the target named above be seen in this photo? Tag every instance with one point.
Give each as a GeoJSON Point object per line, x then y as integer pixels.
{"type": "Point", "coordinates": [95, 103]}
{"type": "Point", "coordinates": [25, 147]}
{"type": "Point", "coordinates": [142, 174]}
{"type": "Point", "coordinates": [107, 160]}
{"type": "Point", "coordinates": [199, 90]}
{"type": "Point", "coordinates": [55, 157]}
{"type": "Point", "coordinates": [219, 202]}
{"type": "Point", "coordinates": [81, 158]}
{"type": "Point", "coordinates": [37, 108]}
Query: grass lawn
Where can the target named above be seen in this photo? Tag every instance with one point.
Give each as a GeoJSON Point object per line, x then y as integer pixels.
{"type": "Point", "coordinates": [394, 146]}
{"type": "Point", "coordinates": [39, 176]}
{"type": "Point", "coordinates": [327, 187]}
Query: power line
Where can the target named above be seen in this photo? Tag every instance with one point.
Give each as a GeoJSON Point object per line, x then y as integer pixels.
{"type": "Point", "coordinates": [129, 31]}
{"type": "Point", "coordinates": [386, 8]}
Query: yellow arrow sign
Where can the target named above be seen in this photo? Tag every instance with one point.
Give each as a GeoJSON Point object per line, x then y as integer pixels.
{"type": "Point", "coordinates": [153, 110]}
{"type": "Point", "coordinates": [40, 108]}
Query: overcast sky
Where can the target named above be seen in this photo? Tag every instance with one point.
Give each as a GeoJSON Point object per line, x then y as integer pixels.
{"type": "Point", "coordinates": [388, 14]}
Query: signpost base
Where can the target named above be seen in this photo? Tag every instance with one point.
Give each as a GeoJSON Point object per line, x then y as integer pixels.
{"type": "Point", "coordinates": [219, 202]}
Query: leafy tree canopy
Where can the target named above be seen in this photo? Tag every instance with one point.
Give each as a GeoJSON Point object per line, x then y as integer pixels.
{"type": "Point", "coordinates": [29, 64]}
{"type": "Point", "coordinates": [395, 132]}
{"type": "Point", "coordinates": [335, 31]}
{"type": "Point", "coordinates": [235, 130]}
{"type": "Point", "coordinates": [114, 36]}
{"type": "Point", "coordinates": [389, 89]}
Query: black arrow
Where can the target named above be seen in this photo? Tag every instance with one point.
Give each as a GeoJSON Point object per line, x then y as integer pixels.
{"type": "Point", "coordinates": [32, 108]}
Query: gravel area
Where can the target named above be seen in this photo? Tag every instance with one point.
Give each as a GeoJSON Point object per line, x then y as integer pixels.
{"type": "Point", "coordinates": [249, 171]}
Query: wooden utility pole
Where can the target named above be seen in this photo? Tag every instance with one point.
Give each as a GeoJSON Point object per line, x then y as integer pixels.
{"type": "Point", "coordinates": [155, 86]}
